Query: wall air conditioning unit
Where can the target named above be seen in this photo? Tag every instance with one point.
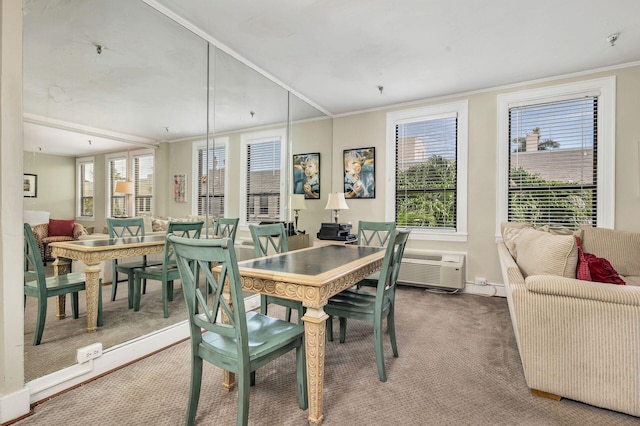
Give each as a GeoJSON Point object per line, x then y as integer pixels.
{"type": "Point", "coordinates": [428, 269]}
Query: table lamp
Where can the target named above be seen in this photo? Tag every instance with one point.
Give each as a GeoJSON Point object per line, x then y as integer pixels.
{"type": "Point", "coordinates": [126, 188]}
{"type": "Point", "coordinates": [336, 202]}
{"type": "Point", "coordinates": [297, 203]}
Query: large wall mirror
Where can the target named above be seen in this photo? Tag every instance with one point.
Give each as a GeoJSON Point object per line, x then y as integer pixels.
{"type": "Point", "coordinates": [119, 76]}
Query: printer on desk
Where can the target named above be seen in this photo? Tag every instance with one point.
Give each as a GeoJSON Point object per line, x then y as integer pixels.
{"type": "Point", "coordinates": [336, 231]}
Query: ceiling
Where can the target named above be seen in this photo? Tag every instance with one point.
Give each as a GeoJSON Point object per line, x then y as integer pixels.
{"type": "Point", "coordinates": [334, 53]}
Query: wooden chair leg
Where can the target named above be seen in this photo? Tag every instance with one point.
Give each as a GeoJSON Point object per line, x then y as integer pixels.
{"type": "Point", "coordinates": [288, 315]}
{"type": "Point", "coordinates": [301, 377]}
{"type": "Point", "coordinates": [547, 395]}
{"type": "Point", "coordinates": [194, 392]}
{"type": "Point", "coordinates": [135, 303]}
{"type": "Point", "coordinates": [377, 335]}
{"type": "Point", "coordinates": [114, 284]}
{"type": "Point", "coordinates": [243, 398]}
{"type": "Point", "coordinates": [40, 319]}
{"type": "Point", "coordinates": [74, 305]}
{"type": "Point", "coordinates": [391, 324]}
{"type": "Point", "coordinates": [343, 329]}
{"type": "Point", "coordinates": [330, 329]}
{"type": "Point", "coordinates": [263, 304]}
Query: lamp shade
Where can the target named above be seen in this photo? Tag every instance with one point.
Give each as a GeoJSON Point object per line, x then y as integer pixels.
{"type": "Point", "coordinates": [336, 201]}
{"type": "Point", "coordinates": [124, 187]}
{"type": "Point", "coordinates": [297, 202]}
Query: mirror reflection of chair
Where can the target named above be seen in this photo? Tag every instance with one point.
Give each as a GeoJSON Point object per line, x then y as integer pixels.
{"type": "Point", "coordinates": [244, 341]}
{"type": "Point", "coordinates": [226, 227]}
{"type": "Point", "coordinates": [42, 288]}
{"type": "Point", "coordinates": [371, 307]}
{"type": "Point", "coordinates": [168, 271]}
{"type": "Point", "coordinates": [271, 239]}
{"type": "Point", "coordinates": [120, 228]}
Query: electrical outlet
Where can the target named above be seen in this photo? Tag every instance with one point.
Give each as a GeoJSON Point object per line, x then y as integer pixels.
{"type": "Point", "coordinates": [87, 353]}
{"type": "Point", "coordinates": [480, 281]}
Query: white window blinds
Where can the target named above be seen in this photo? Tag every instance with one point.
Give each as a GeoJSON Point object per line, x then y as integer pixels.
{"type": "Point", "coordinates": [426, 172]}
{"type": "Point", "coordinates": [211, 180]}
{"type": "Point", "coordinates": [117, 172]}
{"type": "Point", "coordinates": [143, 184]}
{"type": "Point", "coordinates": [552, 163]}
{"type": "Point", "coordinates": [86, 182]}
{"type": "Point", "coordinates": [263, 180]}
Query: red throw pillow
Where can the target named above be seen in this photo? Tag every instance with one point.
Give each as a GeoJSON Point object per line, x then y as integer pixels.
{"type": "Point", "coordinates": [594, 268]}
{"type": "Point", "coordinates": [61, 228]}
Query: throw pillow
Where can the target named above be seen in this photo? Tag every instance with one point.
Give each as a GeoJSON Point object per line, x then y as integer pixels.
{"type": "Point", "coordinates": [598, 269]}
{"type": "Point", "coordinates": [543, 253]}
{"type": "Point", "coordinates": [61, 228]}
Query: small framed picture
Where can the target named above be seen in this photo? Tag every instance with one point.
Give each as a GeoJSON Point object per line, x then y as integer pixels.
{"type": "Point", "coordinates": [30, 185]}
{"type": "Point", "coordinates": [306, 175]}
{"type": "Point", "coordinates": [180, 188]}
{"type": "Point", "coordinates": [359, 173]}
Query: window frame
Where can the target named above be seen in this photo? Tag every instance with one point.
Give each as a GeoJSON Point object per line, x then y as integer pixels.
{"type": "Point", "coordinates": [81, 161]}
{"type": "Point", "coordinates": [258, 137]}
{"type": "Point", "coordinates": [128, 156]}
{"type": "Point", "coordinates": [461, 110]}
{"type": "Point", "coordinates": [196, 147]}
{"type": "Point", "coordinates": [605, 89]}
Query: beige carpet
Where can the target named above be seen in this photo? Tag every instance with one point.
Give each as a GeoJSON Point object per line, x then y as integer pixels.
{"type": "Point", "coordinates": [458, 365]}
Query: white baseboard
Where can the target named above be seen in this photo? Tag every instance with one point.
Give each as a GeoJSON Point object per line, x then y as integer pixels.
{"type": "Point", "coordinates": [14, 405]}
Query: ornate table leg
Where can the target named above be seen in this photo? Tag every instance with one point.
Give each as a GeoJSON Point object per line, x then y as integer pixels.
{"type": "Point", "coordinates": [61, 267]}
{"type": "Point", "coordinates": [92, 278]}
{"type": "Point", "coordinates": [315, 338]}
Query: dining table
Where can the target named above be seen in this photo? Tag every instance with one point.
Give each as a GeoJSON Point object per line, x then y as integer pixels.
{"type": "Point", "coordinates": [311, 275]}
{"type": "Point", "coordinates": [92, 253]}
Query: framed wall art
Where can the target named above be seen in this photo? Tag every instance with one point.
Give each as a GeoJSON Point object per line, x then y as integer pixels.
{"type": "Point", "coordinates": [306, 175]}
{"type": "Point", "coordinates": [30, 185]}
{"type": "Point", "coordinates": [359, 173]}
{"type": "Point", "coordinates": [180, 188]}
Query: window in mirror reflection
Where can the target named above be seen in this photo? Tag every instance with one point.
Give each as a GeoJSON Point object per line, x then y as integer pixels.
{"type": "Point", "coordinates": [262, 180]}
{"type": "Point", "coordinates": [211, 177]}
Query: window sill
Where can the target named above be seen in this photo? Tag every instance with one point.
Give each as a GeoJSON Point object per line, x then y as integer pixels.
{"type": "Point", "coordinates": [423, 235]}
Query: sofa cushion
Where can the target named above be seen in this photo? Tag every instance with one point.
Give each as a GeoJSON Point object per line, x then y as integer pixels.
{"type": "Point", "coordinates": [510, 233]}
{"type": "Point", "coordinates": [543, 253]}
{"type": "Point", "coordinates": [61, 228]}
{"type": "Point", "coordinates": [632, 280]}
{"type": "Point", "coordinates": [620, 248]}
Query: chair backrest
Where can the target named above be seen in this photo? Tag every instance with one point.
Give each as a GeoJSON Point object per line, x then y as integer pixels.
{"type": "Point", "coordinates": [129, 227]}
{"type": "Point", "coordinates": [226, 227]}
{"type": "Point", "coordinates": [375, 233]}
{"type": "Point", "coordinates": [269, 239]}
{"type": "Point", "coordinates": [33, 266]}
{"type": "Point", "coordinates": [391, 267]}
{"type": "Point", "coordinates": [194, 257]}
{"type": "Point", "coordinates": [180, 229]}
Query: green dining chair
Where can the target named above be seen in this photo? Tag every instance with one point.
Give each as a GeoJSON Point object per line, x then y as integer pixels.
{"type": "Point", "coordinates": [168, 271]}
{"type": "Point", "coordinates": [120, 228]}
{"type": "Point", "coordinates": [374, 308]}
{"type": "Point", "coordinates": [242, 342]}
{"type": "Point", "coordinates": [43, 288]}
{"type": "Point", "coordinates": [271, 239]}
{"type": "Point", "coordinates": [375, 234]}
{"type": "Point", "coordinates": [226, 227]}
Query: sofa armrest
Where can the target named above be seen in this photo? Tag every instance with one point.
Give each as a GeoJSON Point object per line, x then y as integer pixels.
{"type": "Point", "coordinates": [569, 287]}
{"type": "Point", "coordinates": [40, 231]}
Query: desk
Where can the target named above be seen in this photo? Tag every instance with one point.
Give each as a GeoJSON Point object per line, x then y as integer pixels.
{"type": "Point", "coordinates": [92, 252]}
{"type": "Point", "coordinates": [311, 275]}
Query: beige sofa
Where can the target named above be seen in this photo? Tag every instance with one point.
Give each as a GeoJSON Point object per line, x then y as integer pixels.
{"type": "Point", "coordinates": [577, 339]}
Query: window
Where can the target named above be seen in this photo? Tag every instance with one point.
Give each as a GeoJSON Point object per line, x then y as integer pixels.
{"type": "Point", "coordinates": [261, 179]}
{"type": "Point", "coordinates": [210, 185]}
{"type": "Point", "coordinates": [556, 156]}
{"type": "Point", "coordinates": [136, 167]}
{"type": "Point", "coordinates": [143, 184]}
{"type": "Point", "coordinates": [117, 171]}
{"type": "Point", "coordinates": [428, 191]}
{"type": "Point", "coordinates": [85, 188]}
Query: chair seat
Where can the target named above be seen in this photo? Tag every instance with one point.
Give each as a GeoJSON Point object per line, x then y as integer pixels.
{"type": "Point", "coordinates": [265, 334]}
{"type": "Point", "coordinates": [124, 266]}
{"type": "Point", "coordinates": [62, 282]}
{"type": "Point", "coordinates": [353, 303]}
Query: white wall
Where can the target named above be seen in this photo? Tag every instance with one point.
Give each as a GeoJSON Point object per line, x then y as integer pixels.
{"type": "Point", "coordinates": [368, 129]}
{"type": "Point", "coordinates": [56, 192]}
